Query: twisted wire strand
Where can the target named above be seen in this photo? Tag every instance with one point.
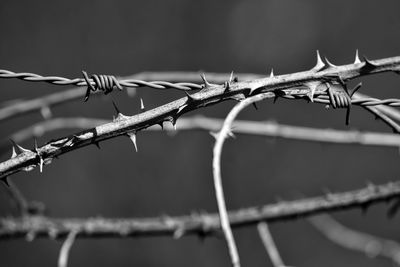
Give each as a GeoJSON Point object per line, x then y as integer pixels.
{"type": "Point", "coordinates": [32, 77]}
{"type": "Point", "coordinates": [324, 99]}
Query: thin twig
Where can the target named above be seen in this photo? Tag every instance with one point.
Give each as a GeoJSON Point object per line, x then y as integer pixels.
{"type": "Point", "coordinates": [355, 240]}
{"type": "Point", "coordinates": [386, 119]}
{"type": "Point", "coordinates": [287, 85]}
{"type": "Point", "coordinates": [17, 196]}
{"type": "Point", "coordinates": [66, 247]}
{"type": "Point", "coordinates": [261, 128]}
{"type": "Point", "coordinates": [220, 139]}
{"type": "Point", "coordinates": [201, 224]}
{"type": "Point", "coordinates": [269, 244]}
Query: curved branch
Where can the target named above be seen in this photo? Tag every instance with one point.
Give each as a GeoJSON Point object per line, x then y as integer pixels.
{"type": "Point", "coordinates": [220, 139]}
{"type": "Point", "coordinates": [287, 85]}
{"type": "Point", "coordinates": [200, 224]}
{"type": "Point", "coordinates": [356, 240]}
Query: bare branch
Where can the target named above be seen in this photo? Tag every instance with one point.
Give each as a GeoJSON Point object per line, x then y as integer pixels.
{"type": "Point", "coordinates": [269, 244]}
{"type": "Point", "coordinates": [200, 224]}
{"type": "Point", "coordinates": [355, 240]}
{"type": "Point", "coordinates": [18, 198]}
{"type": "Point", "coordinates": [220, 139]}
{"type": "Point", "coordinates": [287, 85]}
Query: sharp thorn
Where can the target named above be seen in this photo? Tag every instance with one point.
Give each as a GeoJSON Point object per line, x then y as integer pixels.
{"type": "Point", "coordinates": [132, 136]}
{"type": "Point", "coordinates": [142, 108]}
{"type": "Point", "coordinates": [271, 75]}
{"type": "Point", "coordinates": [368, 64]}
{"type": "Point", "coordinates": [41, 164]}
{"type": "Point", "coordinates": [19, 149]}
{"type": "Point", "coordinates": [320, 64]}
{"type": "Point", "coordinates": [231, 78]}
{"type": "Point", "coordinates": [226, 86]}
{"type": "Point", "coordinates": [355, 89]}
{"type": "Point", "coordinates": [5, 181]}
{"type": "Point", "coordinates": [213, 134]}
{"type": "Point", "coordinates": [190, 97]}
{"type": "Point", "coordinates": [161, 125]}
{"type": "Point", "coordinates": [357, 58]}
{"type": "Point", "coordinates": [97, 144]}
{"type": "Point", "coordinates": [181, 108]}
{"type": "Point", "coordinates": [206, 83]}
{"type": "Point", "coordinates": [255, 105]}
{"type": "Point", "coordinates": [35, 145]}
{"type": "Point", "coordinates": [14, 153]}
{"type": "Point", "coordinates": [313, 87]}
{"type": "Point", "coordinates": [330, 65]}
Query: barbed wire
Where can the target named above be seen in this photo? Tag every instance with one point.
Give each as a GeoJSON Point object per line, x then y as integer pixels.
{"type": "Point", "coordinates": [56, 80]}
{"type": "Point", "coordinates": [107, 82]}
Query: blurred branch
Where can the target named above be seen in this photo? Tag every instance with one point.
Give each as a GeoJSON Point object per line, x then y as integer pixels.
{"type": "Point", "coordinates": [355, 240]}
{"type": "Point", "coordinates": [200, 224]}
{"type": "Point", "coordinates": [261, 128]}
{"type": "Point", "coordinates": [66, 247]}
{"type": "Point", "coordinates": [269, 244]}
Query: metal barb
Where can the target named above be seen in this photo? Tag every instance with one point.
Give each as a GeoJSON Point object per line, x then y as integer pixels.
{"type": "Point", "coordinates": [90, 87]}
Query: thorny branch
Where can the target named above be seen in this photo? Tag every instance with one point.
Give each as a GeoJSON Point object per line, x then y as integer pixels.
{"type": "Point", "coordinates": [261, 128]}
{"type": "Point", "coordinates": [355, 240]}
{"type": "Point", "coordinates": [301, 85]}
{"type": "Point", "coordinates": [197, 223]}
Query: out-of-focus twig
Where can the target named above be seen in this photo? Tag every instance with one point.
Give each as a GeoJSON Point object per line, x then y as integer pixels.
{"type": "Point", "coordinates": [66, 247]}
{"type": "Point", "coordinates": [196, 223]}
{"type": "Point", "coordinates": [17, 196]}
{"type": "Point", "coordinates": [269, 244]}
{"type": "Point", "coordinates": [355, 240]}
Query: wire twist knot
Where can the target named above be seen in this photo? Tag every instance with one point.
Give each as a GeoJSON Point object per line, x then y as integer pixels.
{"type": "Point", "coordinates": [105, 83]}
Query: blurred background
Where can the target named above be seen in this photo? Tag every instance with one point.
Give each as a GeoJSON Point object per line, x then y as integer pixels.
{"type": "Point", "coordinates": [172, 174]}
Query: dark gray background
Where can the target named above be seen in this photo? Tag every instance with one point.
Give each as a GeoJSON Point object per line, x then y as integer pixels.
{"type": "Point", "coordinates": [172, 175]}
